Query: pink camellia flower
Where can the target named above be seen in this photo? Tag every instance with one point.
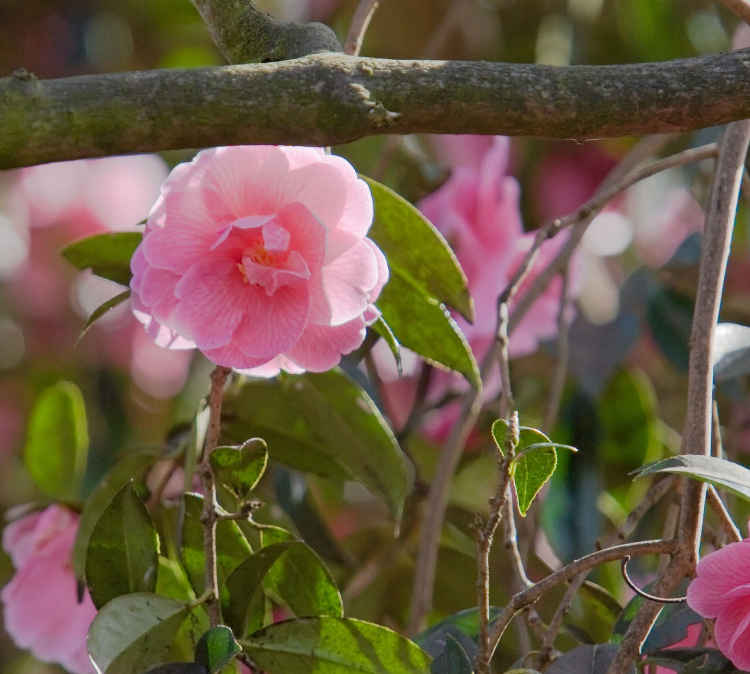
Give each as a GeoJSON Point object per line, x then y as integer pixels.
{"type": "Point", "coordinates": [42, 613]}
{"type": "Point", "coordinates": [258, 256]}
{"type": "Point", "coordinates": [721, 590]}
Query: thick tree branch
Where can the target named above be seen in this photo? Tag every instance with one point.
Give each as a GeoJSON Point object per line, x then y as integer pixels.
{"type": "Point", "coordinates": [244, 34]}
{"type": "Point", "coordinates": [325, 99]}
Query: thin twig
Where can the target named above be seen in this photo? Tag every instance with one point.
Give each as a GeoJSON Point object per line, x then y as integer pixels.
{"type": "Point", "coordinates": [654, 494]}
{"type": "Point", "coordinates": [584, 564]}
{"type": "Point", "coordinates": [358, 28]}
{"type": "Point", "coordinates": [582, 217]}
{"type": "Point", "coordinates": [696, 438]}
{"type": "Point", "coordinates": [485, 536]}
{"type": "Point", "coordinates": [725, 519]}
{"type": "Point", "coordinates": [209, 515]}
{"type": "Point", "coordinates": [561, 370]}
{"type": "Point", "coordinates": [547, 646]}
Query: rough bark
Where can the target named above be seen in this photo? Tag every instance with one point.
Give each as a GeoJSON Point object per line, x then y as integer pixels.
{"type": "Point", "coordinates": [326, 99]}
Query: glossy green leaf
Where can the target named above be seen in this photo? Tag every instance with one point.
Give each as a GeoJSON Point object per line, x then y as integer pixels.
{"type": "Point", "coordinates": [134, 632]}
{"type": "Point", "coordinates": [293, 573]}
{"type": "Point", "coordinates": [417, 251]}
{"type": "Point", "coordinates": [240, 468]}
{"type": "Point", "coordinates": [731, 351]}
{"type": "Point", "coordinates": [216, 648]}
{"type": "Point", "coordinates": [107, 255]}
{"type": "Point", "coordinates": [57, 441]}
{"type": "Point", "coordinates": [531, 470]}
{"type": "Point", "coordinates": [334, 646]}
{"type": "Point", "coordinates": [453, 660]}
{"type": "Point", "coordinates": [172, 581]}
{"type": "Point", "coordinates": [718, 472]}
{"type": "Point", "coordinates": [534, 463]}
{"type": "Point", "coordinates": [102, 309]}
{"type": "Point", "coordinates": [129, 467]}
{"type": "Point", "coordinates": [232, 547]}
{"type": "Point", "coordinates": [123, 552]}
{"type": "Point", "coordinates": [325, 424]}
{"type": "Point", "coordinates": [384, 330]}
{"type": "Point", "coordinates": [422, 324]}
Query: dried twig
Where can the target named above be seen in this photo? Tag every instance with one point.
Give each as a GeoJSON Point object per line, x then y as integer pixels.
{"type": "Point", "coordinates": [360, 21]}
{"type": "Point", "coordinates": [209, 515]}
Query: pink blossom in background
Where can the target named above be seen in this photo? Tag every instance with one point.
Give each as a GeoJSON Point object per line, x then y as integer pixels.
{"type": "Point", "coordinates": [478, 211]}
{"type": "Point", "coordinates": [721, 590]}
{"type": "Point", "coordinates": [41, 610]}
{"type": "Point", "coordinates": [258, 256]}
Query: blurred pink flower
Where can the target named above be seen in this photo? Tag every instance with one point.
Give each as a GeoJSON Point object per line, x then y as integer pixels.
{"type": "Point", "coordinates": [478, 211]}
{"type": "Point", "coordinates": [258, 256]}
{"type": "Point", "coordinates": [690, 641]}
{"type": "Point", "coordinates": [42, 613]}
{"type": "Point", "coordinates": [721, 590]}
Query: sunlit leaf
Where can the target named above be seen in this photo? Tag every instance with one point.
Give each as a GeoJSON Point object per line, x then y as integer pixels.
{"type": "Point", "coordinates": [423, 324]}
{"type": "Point", "coordinates": [293, 572]}
{"type": "Point", "coordinates": [123, 551]}
{"type": "Point", "coordinates": [384, 330]}
{"type": "Point", "coordinates": [334, 646]}
{"type": "Point", "coordinates": [134, 632]}
{"type": "Point", "coordinates": [57, 442]}
{"type": "Point", "coordinates": [102, 309]}
{"type": "Point", "coordinates": [108, 255]}
{"type": "Point", "coordinates": [716, 471]}
{"type": "Point", "coordinates": [417, 250]}
{"type": "Point", "coordinates": [325, 424]}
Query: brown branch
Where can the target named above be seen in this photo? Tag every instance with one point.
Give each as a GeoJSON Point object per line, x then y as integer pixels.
{"type": "Point", "coordinates": [326, 99]}
{"type": "Point", "coordinates": [485, 536]}
{"type": "Point", "coordinates": [582, 565]}
{"type": "Point", "coordinates": [360, 21]}
{"type": "Point", "coordinates": [209, 515]}
{"type": "Point", "coordinates": [725, 519]}
{"type": "Point", "coordinates": [696, 438]}
{"type": "Point", "coordinates": [245, 34]}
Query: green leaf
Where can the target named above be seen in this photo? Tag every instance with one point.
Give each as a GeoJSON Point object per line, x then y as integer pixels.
{"type": "Point", "coordinates": [731, 351]}
{"type": "Point", "coordinates": [232, 547]}
{"type": "Point", "coordinates": [240, 468]}
{"type": "Point", "coordinates": [179, 668]}
{"type": "Point", "coordinates": [134, 632]}
{"type": "Point", "coordinates": [531, 470]}
{"type": "Point", "coordinates": [293, 573]}
{"type": "Point", "coordinates": [466, 622]}
{"type": "Point", "coordinates": [325, 424]}
{"type": "Point", "coordinates": [334, 646]}
{"type": "Point", "coordinates": [453, 660]}
{"type": "Point", "coordinates": [58, 440]}
{"type": "Point", "coordinates": [131, 466]}
{"type": "Point", "coordinates": [384, 330]}
{"type": "Point", "coordinates": [103, 309]}
{"type": "Point", "coordinates": [534, 463]}
{"type": "Point", "coordinates": [172, 581]}
{"type": "Point", "coordinates": [591, 658]}
{"type": "Point", "coordinates": [718, 472]}
{"type": "Point", "coordinates": [123, 552]}
{"type": "Point", "coordinates": [107, 255]}
{"type": "Point", "coordinates": [422, 324]}
{"type": "Point", "coordinates": [417, 251]}
{"type": "Point", "coordinates": [216, 648]}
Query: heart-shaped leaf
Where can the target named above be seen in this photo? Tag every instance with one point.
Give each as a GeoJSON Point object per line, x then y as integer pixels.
{"type": "Point", "coordinates": [240, 468]}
